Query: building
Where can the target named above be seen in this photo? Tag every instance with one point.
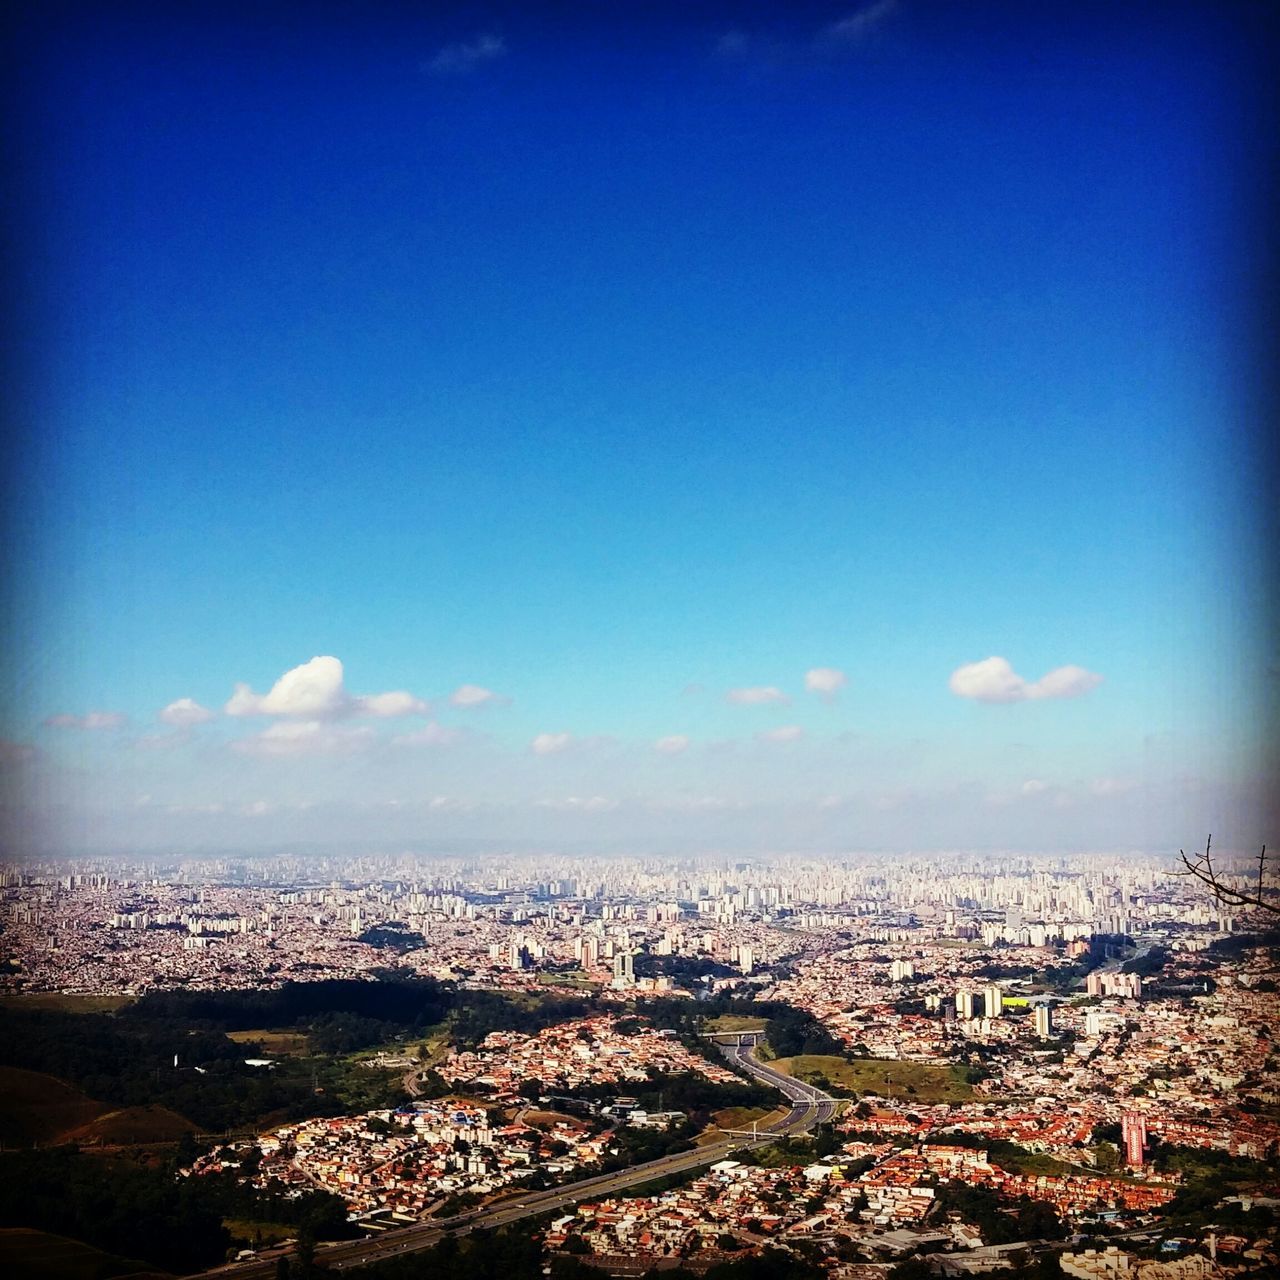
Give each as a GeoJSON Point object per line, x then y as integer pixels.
{"type": "Point", "coordinates": [624, 971]}
{"type": "Point", "coordinates": [1044, 1021]}
{"type": "Point", "coordinates": [1134, 1132]}
{"type": "Point", "coordinates": [964, 1004]}
{"type": "Point", "coordinates": [901, 970]}
{"type": "Point", "coordinates": [992, 1000]}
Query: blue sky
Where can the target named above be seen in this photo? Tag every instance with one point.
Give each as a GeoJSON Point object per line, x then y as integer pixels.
{"type": "Point", "coordinates": [611, 364]}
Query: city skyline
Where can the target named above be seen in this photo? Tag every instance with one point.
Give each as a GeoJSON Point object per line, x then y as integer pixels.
{"type": "Point", "coordinates": [586, 432]}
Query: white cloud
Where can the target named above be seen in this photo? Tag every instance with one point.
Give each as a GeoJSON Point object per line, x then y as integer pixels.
{"type": "Point", "coordinates": [317, 690]}
{"type": "Point", "coordinates": [826, 682]}
{"type": "Point", "coordinates": [673, 744]}
{"type": "Point", "coordinates": [474, 695]}
{"type": "Point", "coordinates": [580, 804]}
{"type": "Point", "coordinates": [430, 735]}
{"type": "Point", "coordinates": [994, 680]}
{"type": "Point", "coordinates": [305, 738]}
{"type": "Point", "coordinates": [395, 703]}
{"type": "Point", "coordinates": [548, 744]}
{"type": "Point", "coordinates": [756, 695]}
{"type": "Point", "coordinates": [1033, 787]}
{"type": "Point", "coordinates": [467, 55]}
{"type": "Point", "coordinates": [313, 689]}
{"type": "Point", "coordinates": [185, 712]}
{"type": "Point", "coordinates": [92, 720]}
{"type": "Point", "coordinates": [785, 733]}
{"type": "Point", "coordinates": [857, 26]}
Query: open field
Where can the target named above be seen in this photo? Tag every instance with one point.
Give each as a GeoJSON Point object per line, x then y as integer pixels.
{"type": "Point", "coordinates": [255, 1234]}
{"type": "Point", "coordinates": [59, 1003]}
{"type": "Point", "coordinates": [35, 1107]}
{"type": "Point", "coordinates": [577, 981]}
{"type": "Point", "coordinates": [546, 1119]}
{"type": "Point", "coordinates": [275, 1044]}
{"type": "Point", "coordinates": [37, 1255]}
{"type": "Point", "coordinates": [734, 1022]}
{"type": "Point", "coordinates": [918, 1081]}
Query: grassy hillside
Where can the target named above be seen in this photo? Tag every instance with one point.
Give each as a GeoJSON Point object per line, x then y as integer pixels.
{"type": "Point", "coordinates": [131, 1125]}
{"type": "Point", "coordinates": [35, 1107]}
{"type": "Point", "coordinates": [41, 1109]}
{"type": "Point", "coordinates": [907, 1081]}
{"type": "Point", "coordinates": [37, 1255]}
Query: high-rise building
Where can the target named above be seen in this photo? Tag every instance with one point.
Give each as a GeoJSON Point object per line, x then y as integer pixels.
{"type": "Point", "coordinates": [964, 1003]}
{"type": "Point", "coordinates": [1044, 1021]}
{"type": "Point", "coordinates": [1134, 1132]}
{"type": "Point", "coordinates": [624, 973]}
{"type": "Point", "coordinates": [746, 959]}
{"type": "Point", "coordinates": [901, 970]}
{"type": "Point", "coordinates": [992, 1000]}
{"type": "Point", "coordinates": [1093, 984]}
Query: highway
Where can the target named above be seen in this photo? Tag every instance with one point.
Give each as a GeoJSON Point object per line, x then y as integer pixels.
{"type": "Point", "coordinates": [809, 1107]}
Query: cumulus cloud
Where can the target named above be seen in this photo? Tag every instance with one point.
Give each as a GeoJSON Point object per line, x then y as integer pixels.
{"type": "Point", "coordinates": [305, 738]}
{"type": "Point", "coordinates": [185, 712]}
{"type": "Point", "coordinates": [1033, 787]}
{"type": "Point", "coordinates": [466, 55]}
{"type": "Point", "coordinates": [673, 744]}
{"type": "Point", "coordinates": [826, 682]}
{"type": "Point", "coordinates": [317, 690]}
{"type": "Point", "coordinates": [91, 720]}
{"type": "Point", "coordinates": [431, 735]}
{"type": "Point", "coordinates": [549, 744]}
{"type": "Point", "coordinates": [756, 695]}
{"type": "Point", "coordinates": [785, 733]}
{"type": "Point", "coordinates": [994, 680]}
{"type": "Point", "coordinates": [474, 695]}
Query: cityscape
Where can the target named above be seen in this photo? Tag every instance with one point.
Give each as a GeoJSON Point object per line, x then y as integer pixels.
{"type": "Point", "coordinates": [640, 641]}
{"type": "Point", "coordinates": [978, 1064]}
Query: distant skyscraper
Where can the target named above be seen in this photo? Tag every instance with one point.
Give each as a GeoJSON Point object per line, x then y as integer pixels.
{"type": "Point", "coordinates": [964, 1003]}
{"type": "Point", "coordinates": [1044, 1021]}
{"type": "Point", "coordinates": [624, 972]}
{"type": "Point", "coordinates": [1134, 1132]}
{"type": "Point", "coordinates": [992, 1000]}
{"type": "Point", "coordinates": [900, 970]}
{"type": "Point", "coordinates": [746, 959]}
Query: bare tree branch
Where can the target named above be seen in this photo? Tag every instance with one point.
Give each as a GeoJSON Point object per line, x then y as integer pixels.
{"type": "Point", "coordinates": [1202, 868]}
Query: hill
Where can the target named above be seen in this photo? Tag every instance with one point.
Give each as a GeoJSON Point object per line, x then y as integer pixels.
{"type": "Point", "coordinates": [131, 1125]}
{"type": "Point", "coordinates": [39, 1109]}
{"type": "Point", "coordinates": [38, 1255]}
{"type": "Point", "coordinates": [35, 1107]}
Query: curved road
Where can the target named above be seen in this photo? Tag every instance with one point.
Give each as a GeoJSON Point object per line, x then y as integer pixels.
{"type": "Point", "coordinates": [809, 1107]}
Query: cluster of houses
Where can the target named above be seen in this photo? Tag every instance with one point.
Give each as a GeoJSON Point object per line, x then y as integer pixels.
{"type": "Point", "coordinates": [587, 1051]}
{"type": "Point", "coordinates": [404, 1164]}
